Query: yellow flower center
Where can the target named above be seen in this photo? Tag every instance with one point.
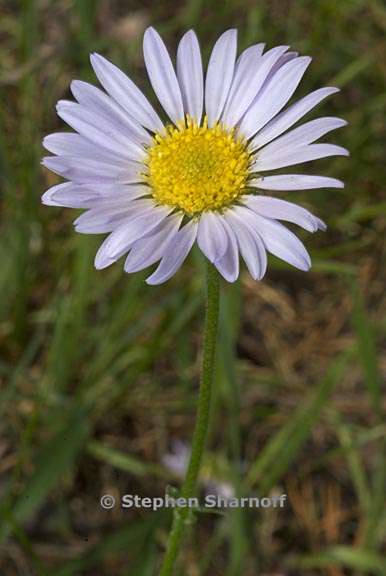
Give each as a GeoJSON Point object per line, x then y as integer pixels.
{"type": "Point", "coordinates": [196, 168]}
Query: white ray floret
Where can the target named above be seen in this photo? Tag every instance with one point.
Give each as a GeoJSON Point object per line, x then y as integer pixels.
{"type": "Point", "coordinates": [190, 75]}
{"type": "Point", "coordinates": [157, 188]}
{"type": "Point", "coordinates": [123, 91]}
{"type": "Point", "coordinates": [162, 75]}
{"type": "Point", "coordinates": [220, 75]}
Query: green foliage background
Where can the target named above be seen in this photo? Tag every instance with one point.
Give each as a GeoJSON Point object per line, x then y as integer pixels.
{"type": "Point", "coordinates": [99, 372]}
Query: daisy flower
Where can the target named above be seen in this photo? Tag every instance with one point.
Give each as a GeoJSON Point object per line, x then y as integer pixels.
{"type": "Point", "coordinates": [156, 187]}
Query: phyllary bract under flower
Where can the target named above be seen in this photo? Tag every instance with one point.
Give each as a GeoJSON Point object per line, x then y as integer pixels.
{"type": "Point", "coordinates": [205, 174]}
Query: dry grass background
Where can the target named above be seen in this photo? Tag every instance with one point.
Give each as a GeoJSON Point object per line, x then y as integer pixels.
{"type": "Point", "coordinates": [99, 372]}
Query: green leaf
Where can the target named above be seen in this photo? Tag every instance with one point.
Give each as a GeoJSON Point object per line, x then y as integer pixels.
{"type": "Point", "coordinates": [367, 349]}
{"type": "Point", "coordinates": [124, 461]}
{"type": "Point", "coordinates": [282, 449]}
{"type": "Point", "coordinates": [133, 537]}
{"type": "Point", "coordinates": [56, 459]}
{"type": "Point", "coordinates": [344, 556]}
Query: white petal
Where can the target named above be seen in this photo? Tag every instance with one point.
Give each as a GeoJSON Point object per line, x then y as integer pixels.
{"type": "Point", "coordinates": [101, 220]}
{"type": "Point", "coordinates": [162, 76]}
{"type": "Point", "coordinates": [63, 162]}
{"type": "Point", "coordinates": [282, 210]}
{"type": "Point", "coordinates": [140, 222]}
{"type": "Point", "coordinates": [273, 96]}
{"type": "Point", "coordinates": [290, 157]}
{"type": "Point", "coordinates": [212, 239]}
{"type": "Point", "coordinates": [73, 195]}
{"type": "Point", "coordinates": [98, 130]}
{"type": "Point", "coordinates": [321, 224]}
{"type": "Point", "coordinates": [250, 244]}
{"type": "Point", "coordinates": [295, 182]}
{"type": "Point", "coordinates": [250, 54]}
{"type": "Point", "coordinates": [175, 254]}
{"type": "Point", "coordinates": [228, 265]}
{"type": "Point", "coordinates": [69, 195]}
{"type": "Point", "coordinates": [280, 62]}
{"type": "Point", "coordinates": [277, 239]}
{"type": "Point", "coordinates": [87, 170]}
{"type": "Point", "coordinates": [190, 76]}
{"type": "Point", "coordinates": [125, 93]}
{"type": "Point", "coordinates": [73, 144]}
{"type": "Point", "coordinates": [305, 134]}
{"type": "Point", "coordinates": [118, 193]}
{"type": "Point", "coordinates": [220, 74]}
{"type": "Point", "coordinates": [250, 74]}
{"type": "Point", "coordinates": [289, 117]}
{"type": "Point", "coordinates": [152, 247]}
{"type": "Point", "coordinates": [100, 103]}
{"type": "Point", "coordinates": [256, 49]}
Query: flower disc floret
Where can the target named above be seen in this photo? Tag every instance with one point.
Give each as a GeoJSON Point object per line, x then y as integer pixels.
{"type": "Point", "coordinates": [197, 168]}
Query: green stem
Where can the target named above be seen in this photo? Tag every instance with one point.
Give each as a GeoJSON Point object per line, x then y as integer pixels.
{"type": "Point", "coordinates": [181, 515]}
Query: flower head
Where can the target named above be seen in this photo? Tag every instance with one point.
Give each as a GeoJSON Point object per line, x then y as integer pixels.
{"type": "Point", "coordinates": [157, 187]}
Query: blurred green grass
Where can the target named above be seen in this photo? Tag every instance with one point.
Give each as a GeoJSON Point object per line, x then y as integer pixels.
{"type": "Point", "coordinates": [99, 372]}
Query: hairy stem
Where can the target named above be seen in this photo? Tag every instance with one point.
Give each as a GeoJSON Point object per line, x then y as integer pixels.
{"type": "Point", "coordinates": [181, 515]}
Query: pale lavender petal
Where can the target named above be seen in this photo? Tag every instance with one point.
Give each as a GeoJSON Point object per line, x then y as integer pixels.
{"type": "Point", "coordinates": [321, 224]}
{"type": "Point", "coordinates": [290, 157]}
{"type": "Point", "coordinates": [219, 75]}
{"type": "Point", "coordinates": [177, 461]}
{"type": "Point", "coordinates": [228, 265]}
{"type": "Point", "coordinates": [277, 239]}
{"type": "Point", "coordinates": [305, 134]}
{"type": "Point", "coordinates": [190, 75]}
{"type": "Point", "coordinates": [290, 116]}
{"type": "Point", "coordinates": [83, 170]}
{"type": "Point", "coordinates": [287, 57]}
{"type": "Point", "coordinates": [69, 195]}
{"type": "Point", "coordinates": [73, 195]}
{"type": "Point", "coordinates": [126, 93]}
{"type": "Point", "coordinates": [212, 238]}
{"type": "Point", "coordinates": [281, 210]}
{"type": "Point", "coordinates": [101, 219]}
{"type": "Point", "coordinates": [250, 74]}
{"type": "Point", "coordinates": [162, 76]}
{"type": "Point", "coordinates": [256, 49]}
{"type": "Point", "coordinates": [273, 96]}
{"type": "Point", "coordinates": [250, 244]}
{"type": "Point", "coordinates": [73, 144]}
{"type": "Point", "coordinates": [175, 254]}
{"type": "Point", "coordinates": [151, 248]}
{"type": "Point", "coordinates": [119, 194]}
{"type": "Point", "coordinates": [100, 103]}
{"type": "Point", "coordinates": [139, 223]}
{"type": "Point", "coordinates": [96, 128]}
{"type": "Point", "coordinates": [295, 182]}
